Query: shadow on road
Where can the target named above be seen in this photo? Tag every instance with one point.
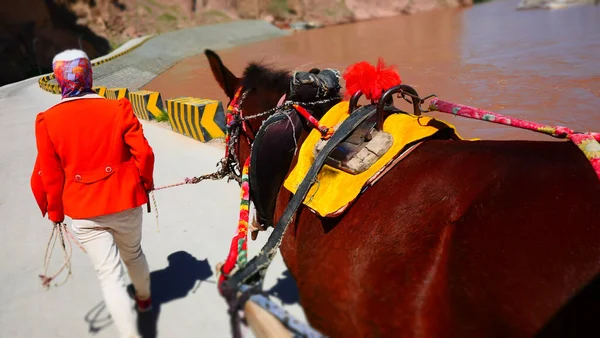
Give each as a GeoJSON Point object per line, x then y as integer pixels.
{"type": "Point", "coordinates": [183, 274]}
{"type": "Point", "coordinates": [285, 289]}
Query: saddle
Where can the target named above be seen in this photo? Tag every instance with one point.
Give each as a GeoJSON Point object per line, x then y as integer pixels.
{"type": "Point", "coordinates": [362, 157]}
{"type": "Point", "coordinates": [363, 147]}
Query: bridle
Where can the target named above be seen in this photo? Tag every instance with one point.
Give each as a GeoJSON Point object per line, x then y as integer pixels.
{"type": "Point", "coordinates": [237, 125]}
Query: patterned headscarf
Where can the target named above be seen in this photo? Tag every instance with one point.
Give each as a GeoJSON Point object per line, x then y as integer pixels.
{"type": "Point", "coordinates": [73, 72]}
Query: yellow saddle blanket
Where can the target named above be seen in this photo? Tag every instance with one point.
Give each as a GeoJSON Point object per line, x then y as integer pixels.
{"type": "Point", "coordinates": [334, 189]}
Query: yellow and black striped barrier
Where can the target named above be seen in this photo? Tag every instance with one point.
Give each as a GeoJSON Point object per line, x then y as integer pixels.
{"type": "Point", "coordinates": [100, 90]}
{"type": "Point", "coordinates": [52, 88]}
{"type": "Point", "coordinates": [116, 93]}
{"type": "Point", "coordinates": [147, 105]}
{"type": "Point", "coordinates": [44, 83]}
{"type": "Point", "coordinates": [200, 119]}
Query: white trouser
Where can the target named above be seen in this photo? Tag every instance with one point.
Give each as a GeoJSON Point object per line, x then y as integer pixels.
{"type": "Point", "coordinates": [105, 238]}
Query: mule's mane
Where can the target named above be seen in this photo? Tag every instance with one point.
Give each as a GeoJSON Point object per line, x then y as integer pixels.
{"type": "Point", "coordinates": [257, 75]}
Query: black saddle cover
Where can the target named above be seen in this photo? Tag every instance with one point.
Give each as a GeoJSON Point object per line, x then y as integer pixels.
{"type": "Point", "coordinates": [272, 153]}
{"type": "Point", "coordinates": [276, 141]}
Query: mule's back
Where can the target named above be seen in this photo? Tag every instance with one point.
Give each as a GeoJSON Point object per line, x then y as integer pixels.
{"type": "Point", "coordinates": [486, 238]}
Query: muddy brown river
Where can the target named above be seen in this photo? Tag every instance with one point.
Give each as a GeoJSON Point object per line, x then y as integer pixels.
{"type": "Point", "coordinates": [539, 65]}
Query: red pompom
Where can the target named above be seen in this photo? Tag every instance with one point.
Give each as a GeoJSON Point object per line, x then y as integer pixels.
{"type": "Point", "coordinates": [360, 76]}
{"type": "Point", "coordinates": [371, 81]}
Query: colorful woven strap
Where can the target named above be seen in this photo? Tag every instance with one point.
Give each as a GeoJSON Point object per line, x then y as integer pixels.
{"type": "Point", "coordinates": [587, 142]}
{"type": "Point", "coordinates": [238, 251]}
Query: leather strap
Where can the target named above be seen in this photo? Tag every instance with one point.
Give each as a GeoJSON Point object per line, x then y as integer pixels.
{"type": "Point", "coordinates": [258, 265]}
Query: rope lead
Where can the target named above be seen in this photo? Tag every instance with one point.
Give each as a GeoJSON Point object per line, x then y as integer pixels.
{"type": "Point", "coordinates": [59, 230]}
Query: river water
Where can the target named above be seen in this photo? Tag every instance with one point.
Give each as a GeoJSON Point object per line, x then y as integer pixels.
{"type": "Point", "coordinates": [538, 65]}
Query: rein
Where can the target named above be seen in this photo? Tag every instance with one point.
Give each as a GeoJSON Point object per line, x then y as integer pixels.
{"type": "Point", "coordinates": [237, 125]}
{"type": "Point", "coordinates": [587, 142]}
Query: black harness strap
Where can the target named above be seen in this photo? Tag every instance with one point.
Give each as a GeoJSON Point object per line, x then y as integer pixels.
{"type": "Point", "coordinates": [235, 304]}
{"type": "Point", "coordinates": [256, 268]}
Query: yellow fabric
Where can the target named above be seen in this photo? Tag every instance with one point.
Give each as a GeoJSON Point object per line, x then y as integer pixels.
{"type": "Point", "coordinates": [334, 188]}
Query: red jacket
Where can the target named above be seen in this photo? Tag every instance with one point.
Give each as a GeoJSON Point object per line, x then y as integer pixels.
{"type": "Point", "coordinates": [93, 159]}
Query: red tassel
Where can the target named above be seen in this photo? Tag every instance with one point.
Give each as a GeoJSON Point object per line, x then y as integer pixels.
{"type": "Point", "coordinates": [371, 80]}
{"type": "Point", "coordinates": [388, 76]}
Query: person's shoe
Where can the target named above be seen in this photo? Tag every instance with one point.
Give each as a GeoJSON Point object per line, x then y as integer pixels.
{"type": "Point", "coordinates": [143, 305]}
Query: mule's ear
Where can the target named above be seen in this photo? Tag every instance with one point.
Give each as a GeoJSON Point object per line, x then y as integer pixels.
{"type": "Point", "coordinates": [224, 76]}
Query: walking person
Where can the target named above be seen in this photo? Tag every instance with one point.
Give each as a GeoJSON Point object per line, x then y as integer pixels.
{"type": "Point", "coordinates": [95, 166]}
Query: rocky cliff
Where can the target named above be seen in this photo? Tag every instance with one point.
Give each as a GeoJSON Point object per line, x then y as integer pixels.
{"type": "Point", "coordinates": [33, 31]}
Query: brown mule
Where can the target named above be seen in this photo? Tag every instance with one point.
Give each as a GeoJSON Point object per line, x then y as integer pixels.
{"type": "Point", "coordinates": [460, 239]}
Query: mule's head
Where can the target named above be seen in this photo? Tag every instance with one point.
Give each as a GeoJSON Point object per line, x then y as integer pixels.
{"type": "Point", "coordinates": [260, 88]}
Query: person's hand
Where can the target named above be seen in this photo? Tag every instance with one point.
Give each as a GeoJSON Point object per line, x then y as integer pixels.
{"type": "Point", "coordinates": [55, 223]}
{"type": "Point", "coordinates": [148, 187]}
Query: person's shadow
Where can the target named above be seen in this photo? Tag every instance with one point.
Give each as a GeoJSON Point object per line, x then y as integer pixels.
{"type": "Point", "coordinates": [183, 274]}
{"type": "Point", "coordinates": [285, 289]}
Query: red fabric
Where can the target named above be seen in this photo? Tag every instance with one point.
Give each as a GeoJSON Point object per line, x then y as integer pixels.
{"type": "Point", "coordinates": [93, 159]}
{"type": "Point", "coordinates": [371, 80]}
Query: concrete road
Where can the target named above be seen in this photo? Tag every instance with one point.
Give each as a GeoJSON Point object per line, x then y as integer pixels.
{"type": "Point", "coordinates": [196, 225]}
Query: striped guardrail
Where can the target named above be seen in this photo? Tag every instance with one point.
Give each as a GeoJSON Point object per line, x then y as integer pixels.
{"type": "Point", "coordinates": [147, 105]}
{"type": "Point", "coordinates": [100, 90]}
{"type": "Point", "coordinates": [116, 93]}
{"type": "Point", "coordinates": [200, 119]}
